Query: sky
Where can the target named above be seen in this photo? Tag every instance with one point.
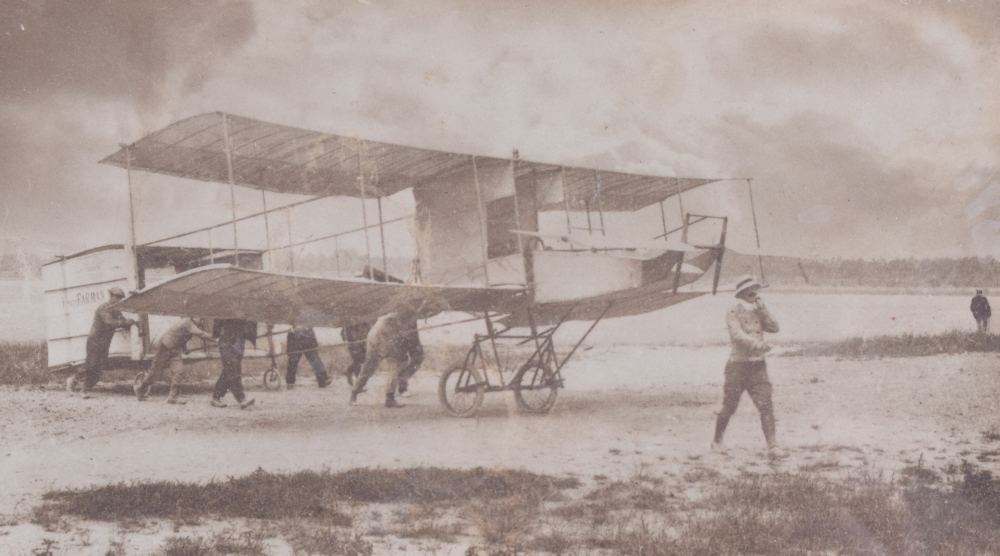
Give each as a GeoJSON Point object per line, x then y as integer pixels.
{"type": "Point", "coordinates": [870, 128]}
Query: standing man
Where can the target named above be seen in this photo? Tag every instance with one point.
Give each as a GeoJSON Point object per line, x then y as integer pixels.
{"type": "Point", "coordinates": [233, 335]}
{"type": "Point", "coordinates": [746, 369]}
{"type": "Point", "coordinates": [168, 351]}
{"type": "Point", "coordinates": [302, 341]}
{"type": "Point", "coordinates": [980, 311]}
{"type": "Point", "coordinates": [106, 321]}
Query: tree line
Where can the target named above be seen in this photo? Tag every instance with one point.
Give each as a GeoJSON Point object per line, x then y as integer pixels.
{"type": "Point", "coordinates": [967, 272]}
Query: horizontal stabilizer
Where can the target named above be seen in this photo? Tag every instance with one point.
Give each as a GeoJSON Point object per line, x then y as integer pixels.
{"type": "Point", "coordinates": [609, 244]}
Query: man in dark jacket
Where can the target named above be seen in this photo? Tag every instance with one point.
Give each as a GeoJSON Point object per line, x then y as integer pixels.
{"type": "Point", "coordinates": [302, 341]}
{"type": "Point", "coordinates": [233, 335]}
{"type": "Point", "coordinates": [981, 311]}
{"type": "Point", "coordinates": [106, 321]}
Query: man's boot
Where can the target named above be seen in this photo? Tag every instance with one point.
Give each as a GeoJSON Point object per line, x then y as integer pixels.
{"type": "Point", "coordinates": [390, 400]}
{"type": "Point", "coordinates": [173, 399]}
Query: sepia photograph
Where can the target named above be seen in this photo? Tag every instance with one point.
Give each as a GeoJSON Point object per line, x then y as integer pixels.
{"type": "Point", "coordinates": [458, 277]}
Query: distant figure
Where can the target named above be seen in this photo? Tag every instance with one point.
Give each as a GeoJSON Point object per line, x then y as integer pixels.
{"type": "Point", "coordinates": [981, 311]}
{"type": "Point", "coordinates": [746, 369]}
{"type": "Point", "coordinates": [302, 341]}
{"type": "Point", "coordinates": [168, 349]}
{"type": "Point", "coordinates": [106, 321]}
{"type": "Point", "coordinates": [233, 335]}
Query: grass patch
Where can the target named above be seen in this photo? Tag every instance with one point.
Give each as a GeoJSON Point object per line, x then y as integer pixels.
{"type": "Point", "coordinates": [227, 542]}
{"type": "Point", "coordinates": [303, 494]}
{"type": "Point", "coordinates": [956, 511]}
{"type": "Point", "coordinates": [23, 363]}
{"type": "Point", "coordinates": [799, 513]}
{"type": "Point", "coordinates": [330, 541]}
{"type": "Point", "coordinates": [906, 345]}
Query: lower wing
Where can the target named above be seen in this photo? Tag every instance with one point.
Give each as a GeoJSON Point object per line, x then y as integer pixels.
{"type": "Point", "coordinates": [224, 291]}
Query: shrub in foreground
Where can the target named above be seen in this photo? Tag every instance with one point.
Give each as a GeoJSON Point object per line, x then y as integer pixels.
{"type": "Point", "coordinates": [23, 363]}
{"type": "Point", "coordinates": [789, 513]}
{"type": "Point", "coordinates": [303, 494]}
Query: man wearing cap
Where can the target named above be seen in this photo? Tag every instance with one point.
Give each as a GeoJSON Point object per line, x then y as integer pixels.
{"type": "Point", "coordinates": [746, 369]}
{"type": "Point", "coordinates": [981, 311]}
{"type": "Point", "coordinates": [168, 349]}
{"type": "Point", "coordinates": [106, 321]}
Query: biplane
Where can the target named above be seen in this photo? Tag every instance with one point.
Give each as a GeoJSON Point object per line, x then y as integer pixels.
{"type": "Point", "coordinates": [479, 247]}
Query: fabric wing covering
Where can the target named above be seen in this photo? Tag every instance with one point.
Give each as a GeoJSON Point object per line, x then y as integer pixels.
{"type": "Point", "coordinates": [224, 291]}
{"type": "Point", "coordinates": [285, 159]}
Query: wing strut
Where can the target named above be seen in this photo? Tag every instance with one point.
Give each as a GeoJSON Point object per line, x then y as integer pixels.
{"type": "Point", "coordinates": [232, 186]}
{"type": "Point", "coordinates": [760, 258]}
{"type": "Point", "coordinates": [585, 334]}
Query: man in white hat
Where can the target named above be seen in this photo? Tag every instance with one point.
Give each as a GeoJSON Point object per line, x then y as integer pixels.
{"type": "Point", "coordinates": [746, 369]}
{"type": "Point", "coordinates": [106, 321]}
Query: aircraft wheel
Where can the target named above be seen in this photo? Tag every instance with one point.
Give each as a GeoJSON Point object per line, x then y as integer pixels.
{"type": "Point", "coordinates": [461, 390]}
{"type": "Point", "coordinates": [272, 381]}
{"type": "Point", "coordinates": [536, 388]}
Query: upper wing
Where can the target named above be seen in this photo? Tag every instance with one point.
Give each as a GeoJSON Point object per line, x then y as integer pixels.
{"type": "Point", "coordinates": [223, 291]}
{"type": "Point", "coordinates": [286, 159]}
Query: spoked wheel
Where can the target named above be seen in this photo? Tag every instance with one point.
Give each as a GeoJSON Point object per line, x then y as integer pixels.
{"type": "Point", "coordinates": [461, 390]}
{"type": "Point", "coordinates": [536, 388]}
{"type": "Point", "coordinates": [271, 379]}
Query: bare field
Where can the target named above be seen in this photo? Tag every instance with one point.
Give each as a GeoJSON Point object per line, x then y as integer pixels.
{"type": "Point", "coordinates": [625, 412]}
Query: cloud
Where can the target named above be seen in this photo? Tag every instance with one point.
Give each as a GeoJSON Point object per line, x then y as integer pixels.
{"type": "Point", "coordinates": [857, 121]}
{"type": "Point", "coordinates": [817, 165]}
{"type": "Point", "coordinates": [76, 77]}
{"type": "Point", "coordinates": [114, 48]}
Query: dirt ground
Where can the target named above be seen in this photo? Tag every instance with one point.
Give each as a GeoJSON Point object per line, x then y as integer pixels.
{"type": "Point", "coordinates": [624, 409]}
